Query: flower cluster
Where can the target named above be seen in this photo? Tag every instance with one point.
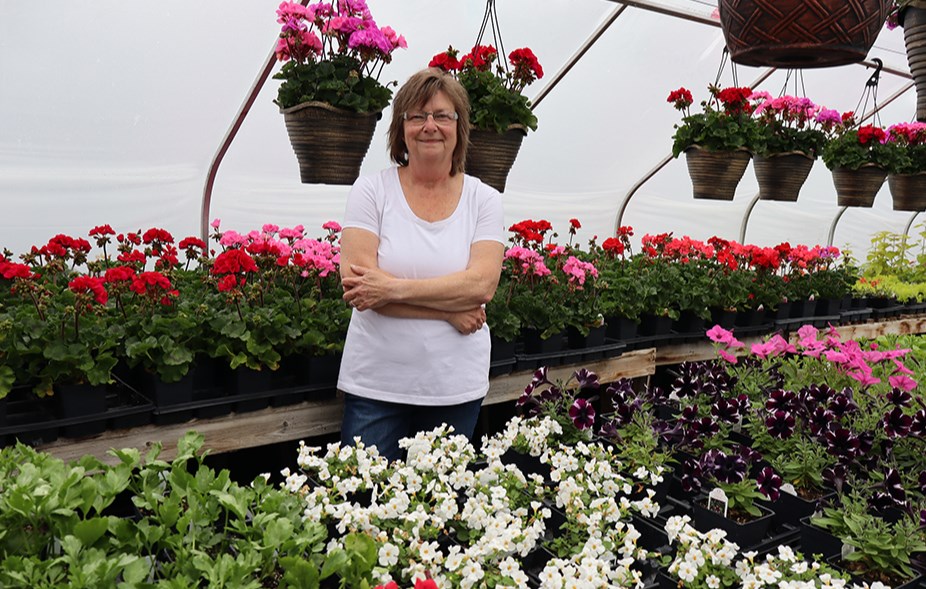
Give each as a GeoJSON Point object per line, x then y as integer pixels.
{"type": "Point", "coordinates": [789, 124]}
{"type": "Point", "coordinates": [724, 123]}
{"type": "Point", "coordinates": [342, 66]}
{"type": "Point", "coordinates": [495, 89]}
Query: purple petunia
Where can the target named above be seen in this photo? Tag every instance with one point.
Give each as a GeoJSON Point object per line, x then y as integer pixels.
{"type": "Point", "coordinates": [769, 483]}
{"type": "Point", "coordinates": [582, 414]}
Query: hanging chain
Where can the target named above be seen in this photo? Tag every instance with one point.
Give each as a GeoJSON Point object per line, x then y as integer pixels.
{"type": "Point", "coordinates": [490, 19]}
{"type": "Point", "coordinates": [724, 58]}
{"type": "Point", "coordinates": [871, 92]}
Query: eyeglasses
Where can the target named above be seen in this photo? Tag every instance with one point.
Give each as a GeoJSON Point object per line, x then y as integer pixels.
{"type": "Point", "coordinates": [442, 118]}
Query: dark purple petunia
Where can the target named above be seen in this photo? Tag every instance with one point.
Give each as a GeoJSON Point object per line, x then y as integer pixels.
{"type": "Point", "coordinates": [842, 404]}
{"type": "Point", "coordinates": [922, 482]}
{"type": "Point", "coordinates": [689, 414]}
{"type": "Point", "coordinates": [918, 425]}
{"type": "Point", "coordinates": [899, 397]}
{"type": "Point", "coordinates": [742, 400]}
{"type": "Point", "coordinates": [922, 519]}
{"type": "Point", "coordinates": [781, 400]}
{"type": "Point", "coordinates": [841, 442]}
{"type": "Point", "coordinates": [673, 434]}
{"type": "Point", "coordinates": [820, 420]}
{"type": "Point", "coordinates": [780, 424]}
{"type": "Point", "coordinates": [609, 430]}
{"type": "Point", "coordinates": [692, 476]}
{"type": "Point", "coordinates": [881, 502]}
{"type": "Point", "coordinates": [551, 394]}
{"type": "Point", "coordinates": [582, 414]}
{"type": "Point", "coordinates": [586, 379]}
{"type": "Point", "coordinates": [726, 411]}
{"type": "Point", "coordinates": [836, 476]}
{"type": "Point", "coordinates": [528, 405]}
{"type": "Point", "coordinates": [620, 391]}
{"type": "Point", "coordinates": [896, 424]}
{"type": "Point", "coordinates": [539, 378]}
{"type": "Point", "coordinates": [893, 486]}
{"type": "Point", "coordinates": [623, 414]}
{"type": "Point", "coordinates": [724, 468]}
{"type": "Point", "coordinates": [769, 483]}
{"type": "Point", "coordinates": [748, 454]}
{"type": "Point", "coordinates": [705, 427]}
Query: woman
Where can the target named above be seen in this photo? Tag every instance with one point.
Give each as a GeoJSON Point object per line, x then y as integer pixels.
{"type": "Point", "coordinates": [421, 253]}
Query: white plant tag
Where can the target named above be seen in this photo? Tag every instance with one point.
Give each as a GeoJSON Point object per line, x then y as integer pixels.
{"type": "Point", "coordinates": [718, 495]}
{"type": "Point", "coordinates": [847, 549]}
{"type": "Point", "coordinates": [789, 489]}
{"type": "Point", "coordinates": [738, 426]}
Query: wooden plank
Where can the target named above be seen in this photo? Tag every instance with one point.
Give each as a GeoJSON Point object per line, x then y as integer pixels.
{"type": "Point", "coordinates": [629, 365]}
{"type": "Point", "coordinates": [223, 434]}
{"type": "Point", "coordinates": [906, 326]}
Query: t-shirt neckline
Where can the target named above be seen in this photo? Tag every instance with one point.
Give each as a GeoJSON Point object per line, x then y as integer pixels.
{"type": "Point", "coordinates": [408, 209]}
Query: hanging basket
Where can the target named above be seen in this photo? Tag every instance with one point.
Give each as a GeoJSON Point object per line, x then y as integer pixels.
{"type": "Point", "coordinates": [913, 20]}
{"type": "Point", "coordinates": [330, 143]}
{"type": "Point", "coordinates": [908, 191]}
{"type": "Point", "coordinates": [801, 33]}
{"type": "Point", "coordinates": [858, 188]}
{"type": "Point", "coordinates": [715, 174]}
{"type": "Point", "coordinates": [780, 176]}
{"type": "Point", "coordinates": [490, 155]}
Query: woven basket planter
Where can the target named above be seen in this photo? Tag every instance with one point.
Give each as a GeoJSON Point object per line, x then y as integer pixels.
{"type": "Point", "coordinates": [801, 33]}
{"type": "Point", "coordinates": [715, 174]}
{"type": "Point", "coordinates": [914, 35]}
{"type": "Point", "coordinates": [858, 188]}
{"type": "Point", "coordinates": [330, 143]}
{"type": "Point", "coordinates": [908, 191]}
{"type": "Point", "coordinates": [491, 155]}
{"type": "Point", "coordinates": [781, 176]}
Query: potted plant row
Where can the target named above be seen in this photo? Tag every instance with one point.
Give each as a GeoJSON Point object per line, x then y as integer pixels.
{"type": "Point", "coordinates": [179, 331]}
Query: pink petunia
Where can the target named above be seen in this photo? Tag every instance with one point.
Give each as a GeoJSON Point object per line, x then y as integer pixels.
{"type": "Point", "coordinates": [901, 367]}
{"type": "Point", "coordinates": [728, 356]}
{"type": "Point", "coordinates": [720, 335]}
{"type": "Point", "coordinates": [763, 350]}
{"type": "Point", "coordinates": [807, 334]}
{"type": "Point", "coordinates": [902, 382]}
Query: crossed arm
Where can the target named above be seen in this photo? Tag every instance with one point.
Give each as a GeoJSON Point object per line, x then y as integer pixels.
{"type": "Point", "coordinates": [456, 298]}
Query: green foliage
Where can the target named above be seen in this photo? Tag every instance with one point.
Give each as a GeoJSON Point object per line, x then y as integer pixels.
{"type": "Point", "coordinates": [773, 137]}
{"type": "Point", "coordinates": [714, 130]}
{"type": "Point", "coordinates": [495, 107]}
{"type": "Point", "coordinates": [338, 82]}
{"type": "Point", "coordinates": [879, 546]}
{"type": "Point", "coordinates": [845, 151]}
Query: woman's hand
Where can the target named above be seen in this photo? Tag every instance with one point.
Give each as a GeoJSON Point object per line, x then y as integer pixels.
{"type": "Point", "coordinates": [368, 288]}
{"type": "Point", "coordinates": [468, 322]}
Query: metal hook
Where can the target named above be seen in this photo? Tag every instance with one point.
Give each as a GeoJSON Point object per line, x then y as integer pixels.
{"type": "Point", "coordinates": [873, 80]}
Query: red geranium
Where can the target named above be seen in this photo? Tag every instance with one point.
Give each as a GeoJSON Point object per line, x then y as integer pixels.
{"type": "Point", "coordinates": [90, 285]}
{"type": "Point", "coordinates": [446, 61]}
{"type": "Point", "coordinates": [681, 98]}
{"type": "Point", "coordinates": [870, 133]}
{"type": "Point", "coordinates": [525, 64]}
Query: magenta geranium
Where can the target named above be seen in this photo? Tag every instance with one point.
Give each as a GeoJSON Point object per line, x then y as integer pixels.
{"type": "Point", "coordinates": [334, 53]}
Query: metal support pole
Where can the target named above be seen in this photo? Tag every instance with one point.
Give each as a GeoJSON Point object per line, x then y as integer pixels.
{"type": "Point", "coordinates": [832, 233]}
{"type": "Point", "coordinates": [906, 230]}
{"type": "Point", "coordinates": [745, 221]}
{"type": "Point", "coordinates": [572, 61]}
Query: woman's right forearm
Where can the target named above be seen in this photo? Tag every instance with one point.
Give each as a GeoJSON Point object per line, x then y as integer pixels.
{"type": "Point", "coordinates": [407, 311]}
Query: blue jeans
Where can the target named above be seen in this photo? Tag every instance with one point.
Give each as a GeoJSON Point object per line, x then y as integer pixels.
{"type": "Point", "coordinates": [383, 424]}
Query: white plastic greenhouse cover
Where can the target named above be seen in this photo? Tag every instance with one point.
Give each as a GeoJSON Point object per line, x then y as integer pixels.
{"type": "Point", "coordinates": [111, 111]}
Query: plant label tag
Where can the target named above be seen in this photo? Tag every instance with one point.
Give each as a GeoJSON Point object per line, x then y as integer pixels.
{"type": "Point", "coordinates": [847, 549]}
{"type": "Point", "coordinates": [789, 489]}
{"type": "Point", "coordinates": [738, 426]}
{"type": "Point", "coordinates": [718, 495]}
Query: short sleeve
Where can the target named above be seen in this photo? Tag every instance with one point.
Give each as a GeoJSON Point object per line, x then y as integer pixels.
{"type": "Point", "coordinates": [490, 221]}
{"type": "Point", "coordinates": [363, 211]}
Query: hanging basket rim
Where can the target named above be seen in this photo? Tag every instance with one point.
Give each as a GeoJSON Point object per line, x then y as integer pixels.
{"type": "Point", "coordinates": [865, 165]}
{"type": "Point", "coordinates": [511, 127]}
{"type": "Point", "coordinates": [326, 106]}
{"type": "Point", "coordinates": [786, 153]}
{"type": "Point", "coordinates": [702, 148]}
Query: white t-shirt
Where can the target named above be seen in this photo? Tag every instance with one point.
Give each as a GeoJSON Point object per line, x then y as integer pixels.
{"type": "Point", "coordinates": [418, 361]}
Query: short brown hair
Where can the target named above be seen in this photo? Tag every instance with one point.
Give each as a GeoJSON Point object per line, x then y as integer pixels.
{"type": "Point", "coordinates": [420, 88]}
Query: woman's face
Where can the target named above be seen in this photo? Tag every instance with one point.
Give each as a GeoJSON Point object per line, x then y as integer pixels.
{"type": "Point", "coordinates": [430, 140]}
